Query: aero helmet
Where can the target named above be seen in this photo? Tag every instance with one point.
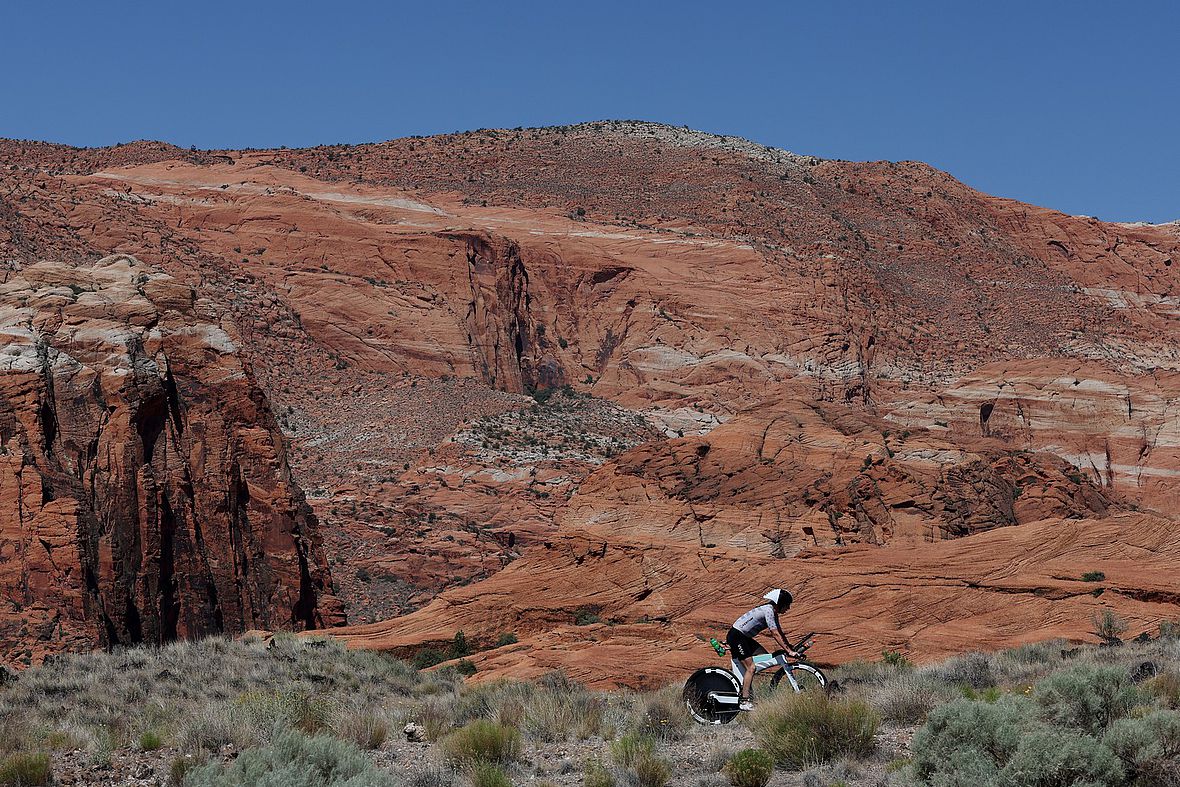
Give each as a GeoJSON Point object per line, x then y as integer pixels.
{"type": "Point", "coordinates": [780, 598]}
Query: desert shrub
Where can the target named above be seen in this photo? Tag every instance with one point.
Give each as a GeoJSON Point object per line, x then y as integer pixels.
{"type": "Point", "coordinates": [488, 775]}
{"type": "Point", "coordinates": [365, 727]}
{"type": "Point", "coordinates": [211, 727]}
{"type": "Point", "coordinates": [481, 741]}
{"type": "Point", "coordinates": [1166, 688]}
{"type": "Point", "coordinates": [507, 638]}
{"type": "Point", "coordinates": [25, 769]}
{"type": "Point", "coordinates": [908, 698]}
{"type": "Point", "coordinates": [661, 715]}
{"type": "Point", "coordinates": [585, 617]}
{"type": "Point", "coordinates": [811, 728]}
{"type": "Point", "coordinates": [1169, 630]}
{"type": "Point", "coordinates": [430, 775]}
{"type": "Point", "coordinates": [296, 709]}
{"type": "Point", "coordinates": [650, 771]}
{"type": "Point", "coordinates": [436, 715]}
{"type": "Point", "coordinates": [1087, 698]}
{"type": "Point", "coordinates": [428, 657]}
{"type": "Point", "coordinates": [897, 659]}
{"type": "Point", "coordinates": [636, 756]}
{"type": "Point", "coordinates": [1149, 747]}
{"type": "Point", "coordinates": [597, 776]}
{"type": "Point", "coordinates": [1093, 576]}
{"type": "Point", "coordinates": [628, 749]}
{"type": "Point", "coordinates": [297, 760]}
{"type": "Point", "coordinates": [179, 768]}
{"type": "Point", "coordinates": [466, 667]}
{"type": "Point", "coordinates": [1108, 627]}
{"type": "Point", "coordinates": [972, 669]}
{"type": "Point", "coordinates": [717, 755]}
{"type": "Point", "coordinates": [459, 646]}
{"type": "Point", "coordinates": [150, 740]}
{"type": "Point", "coordinates": [967, 739]}
{"type": "Point", "coordinates": [990, 694]}
{"type": "Point", "coordinates": [1048, 757]}
{"type": "Point", "coordinates": [749, 768]}
{"type": "Point", "coordinates": [555, 716]}
{"type": "Point", "coordinates": [501, 701]}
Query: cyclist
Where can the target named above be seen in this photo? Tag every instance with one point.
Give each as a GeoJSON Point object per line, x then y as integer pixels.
{"type": "Point", "coordinates": [744, 647]}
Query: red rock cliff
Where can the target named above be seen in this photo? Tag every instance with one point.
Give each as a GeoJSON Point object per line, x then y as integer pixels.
{"type": "Point", "coordinates": [145, 492]}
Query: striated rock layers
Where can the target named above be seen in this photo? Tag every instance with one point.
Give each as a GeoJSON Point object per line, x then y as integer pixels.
{"type": "Point", "coordinates": [625, 613]}
{"type": "Point", "coordinates": [790, 363]}
{"type": "Point", "coordinates": [144, 491]}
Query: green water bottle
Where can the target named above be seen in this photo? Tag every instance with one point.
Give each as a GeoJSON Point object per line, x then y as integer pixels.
{"type": "Point", "coordinates": [717, 646]}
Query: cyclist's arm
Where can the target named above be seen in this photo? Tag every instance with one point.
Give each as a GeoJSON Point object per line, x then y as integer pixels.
{"type": "Point", "coordinates": [778, 630]}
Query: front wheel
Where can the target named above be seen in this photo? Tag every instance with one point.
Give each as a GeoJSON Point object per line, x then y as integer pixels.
{"type": "Point", "coordinates": [806, 678]}
{"type": "Point", "coordinates": [711, 696]}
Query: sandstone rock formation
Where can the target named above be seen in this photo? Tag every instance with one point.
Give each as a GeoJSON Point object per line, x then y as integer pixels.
{"type": "Point", "coordinates": [788, 358]}
{"type": "Point", "coordinates": [655, 609]}
{"type": "Point", "coordinates": [145, 491]}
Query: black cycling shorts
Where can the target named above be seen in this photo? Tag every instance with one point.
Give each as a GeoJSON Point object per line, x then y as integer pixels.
{"type": "Point", "coordinates": [742, 646]}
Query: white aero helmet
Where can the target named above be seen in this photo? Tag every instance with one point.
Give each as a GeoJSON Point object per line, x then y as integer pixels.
{"type": "Point", "coordinates": [779, 597]}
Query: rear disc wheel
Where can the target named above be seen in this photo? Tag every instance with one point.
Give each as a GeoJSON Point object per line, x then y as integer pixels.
{"type": "Point", "coordinates": [700, 691]}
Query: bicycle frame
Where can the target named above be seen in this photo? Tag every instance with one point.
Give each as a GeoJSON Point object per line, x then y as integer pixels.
{"type": "Point", "coordinates": [765, 661]}
{"type": "Point", "coordinates": [711, 694]}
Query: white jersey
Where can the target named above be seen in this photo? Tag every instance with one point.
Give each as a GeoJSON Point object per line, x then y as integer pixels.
{"type": "Point", "coordinates": [761, 617]}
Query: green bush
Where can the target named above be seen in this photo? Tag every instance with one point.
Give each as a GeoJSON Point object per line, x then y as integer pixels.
{"type": "Point", "coordinates": [459, 646]}
{"type": "Point", "coordinates": [1048, 757]}
{"type": "Point", "coordinates": [150, 740]}
{"type": "Point", "coordinates": [585, 617]}
{"type": "Point", "coordinates": [25, 769]}
{"type": "Point", "coordinates": [597, 776]}
{"type": "Point", "coordinates": [650, 771]}
{"type": "Point", "coordinates": [968, 740]}
{"type": "Point", "coordinates": [749, 768]}
{"type": "Point", "coordinates": [488, 775]}
{"type": "Point", "coordinates": [628, 749]}
{"type": "Point", "coordinates": [1093, 576]}
{"type": "Point", "coordinates": [896, 659]}
{"type": "Point", "coordinates": [481, 741]}
{"type": "Point", "coordinates": [1109, 627]}
{"type": "Point", "coordinates": [1149, 747]}
{"type": "Point", "coordinates": [811, 728]}
{"type": "Point", "coordinates": [1086, 698]}
{"type": "Point", "coordinates": [428, 657]}
{"type": "Point", "coordinates": [507, 638]}
{"type": "Point", "coordinates": [294, 760]}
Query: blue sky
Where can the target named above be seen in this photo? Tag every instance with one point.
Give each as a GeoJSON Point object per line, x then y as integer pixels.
{"type": "Point", "coordinates": [1071, 105]}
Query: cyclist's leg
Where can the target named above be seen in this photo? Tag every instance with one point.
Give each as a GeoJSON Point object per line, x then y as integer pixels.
{"type": "Point", "coordinates": [748, 678]}
{"type": "Point", "coordinates": [742, 649]}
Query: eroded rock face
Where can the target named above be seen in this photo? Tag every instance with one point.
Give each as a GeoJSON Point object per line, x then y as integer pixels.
{"type": "Point", "coordinates": [865, 361]}
{"type": "Point", "coordinates": [794, 474]}
{"type": "Point", "coordinates": [145, 492]}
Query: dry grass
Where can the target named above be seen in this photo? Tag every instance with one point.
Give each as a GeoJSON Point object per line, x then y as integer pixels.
{"type": "Point", "coordinates": [190, 699]}
{"type": "Point", "coordinates": [202, 695]}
